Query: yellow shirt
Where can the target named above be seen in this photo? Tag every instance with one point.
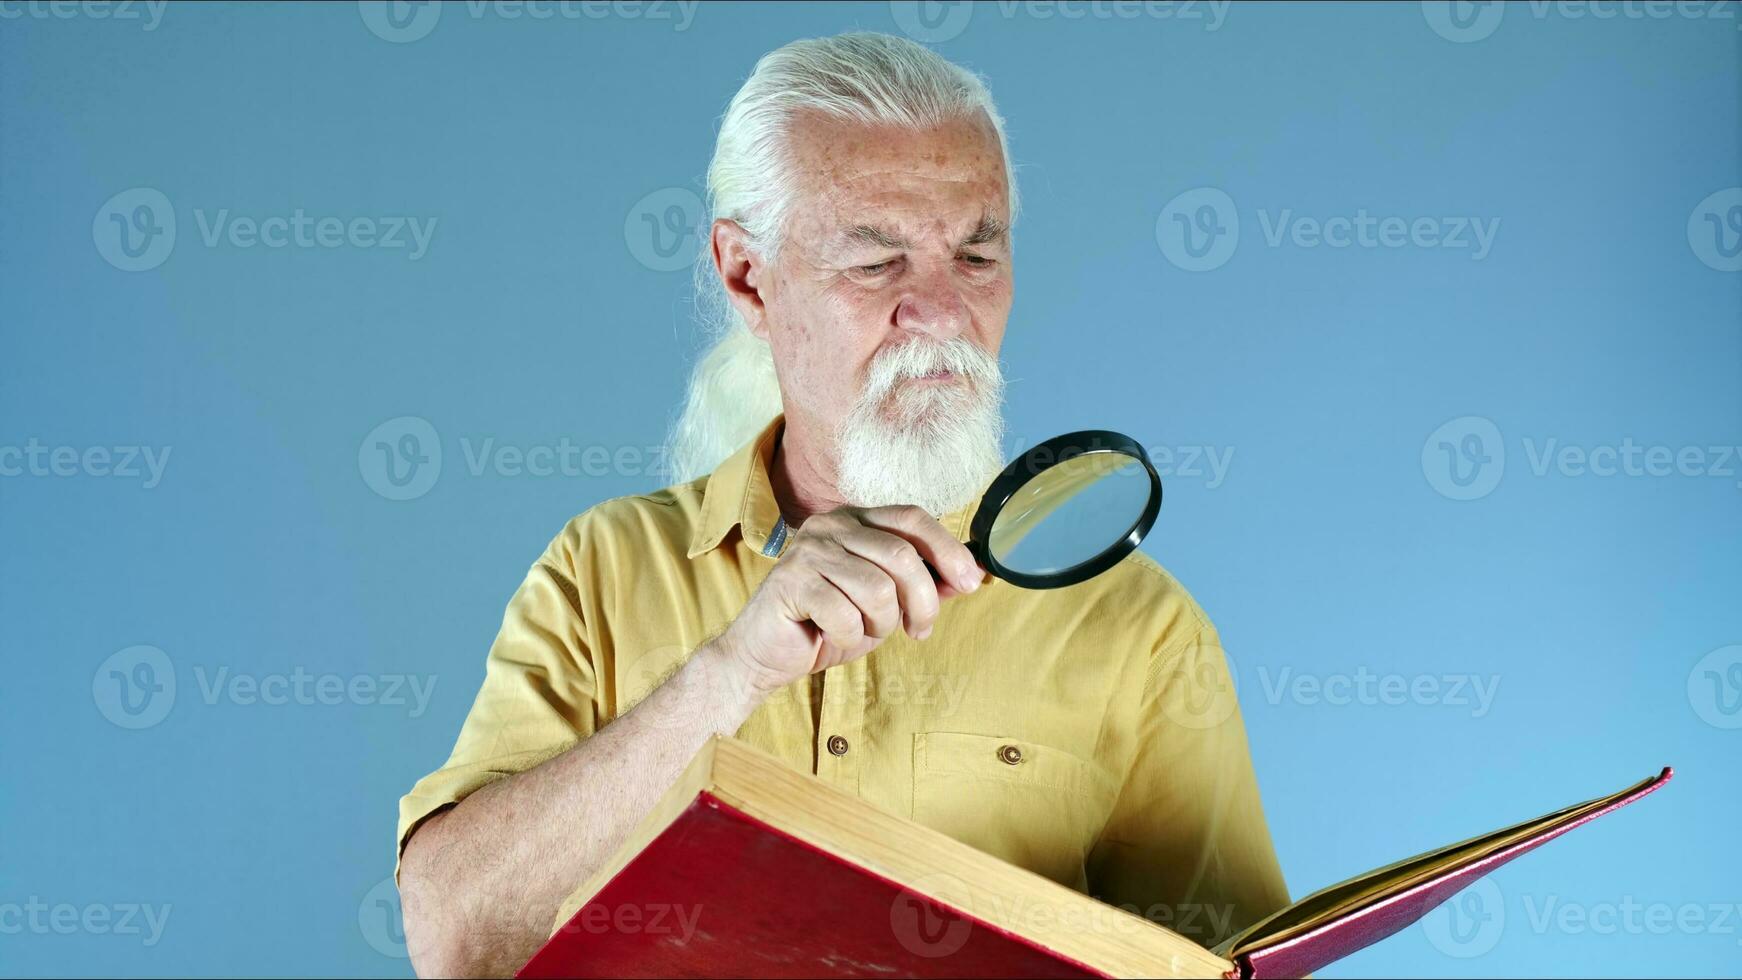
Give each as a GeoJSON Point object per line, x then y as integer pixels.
{"type": "Point", "coordinates": [1134, 782]}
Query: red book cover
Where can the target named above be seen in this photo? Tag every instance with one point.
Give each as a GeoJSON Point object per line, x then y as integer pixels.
{"type": "Point", "coordinates": [748, 868]}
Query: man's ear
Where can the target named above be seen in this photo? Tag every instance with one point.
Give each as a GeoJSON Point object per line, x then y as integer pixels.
{"type": "Point", "coordinates": [742, 271]}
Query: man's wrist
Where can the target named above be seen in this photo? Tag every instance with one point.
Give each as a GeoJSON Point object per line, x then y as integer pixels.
{"type": "Point", "coordinates": [744, 683]}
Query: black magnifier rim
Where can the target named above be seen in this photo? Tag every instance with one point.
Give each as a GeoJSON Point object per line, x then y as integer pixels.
{"type": "Point", "coordinates": [1042, 456]}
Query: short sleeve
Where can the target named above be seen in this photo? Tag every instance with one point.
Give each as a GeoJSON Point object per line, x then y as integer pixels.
{"type": "Point", "coordinates": [1187, 845]}
{"type": "Point", "coordinates": [537, 699]}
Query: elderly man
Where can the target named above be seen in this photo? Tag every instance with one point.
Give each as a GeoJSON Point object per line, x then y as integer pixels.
{"type": "Point", "coordinates": [846, 421]}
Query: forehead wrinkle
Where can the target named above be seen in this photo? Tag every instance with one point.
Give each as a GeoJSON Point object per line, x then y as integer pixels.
{"type": "Point", "coordinates": [988, 230]}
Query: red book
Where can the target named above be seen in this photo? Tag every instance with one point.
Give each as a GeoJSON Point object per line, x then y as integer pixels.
{"type": "Point", "coordinates": [749, 868]}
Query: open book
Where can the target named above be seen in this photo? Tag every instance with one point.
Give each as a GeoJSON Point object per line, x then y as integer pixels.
{"type": "Point", "coordinates": [749, 868]}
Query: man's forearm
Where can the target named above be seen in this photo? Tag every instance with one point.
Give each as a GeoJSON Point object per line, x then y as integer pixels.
{"type": "Point", "coordinates": [481, 883]}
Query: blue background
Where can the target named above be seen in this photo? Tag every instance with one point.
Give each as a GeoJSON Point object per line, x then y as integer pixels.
{"type": "Point", "coordinates": [1331, 546]}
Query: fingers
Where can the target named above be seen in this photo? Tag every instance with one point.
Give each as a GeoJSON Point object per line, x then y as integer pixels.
{"type": "Point", "coordinates": [916, 593]}
{"type": "Point", "coordinates": [860, 575]}
{"type": "Point", "coordinates": [836, 617]}
{"type": "Point", "coordinates": [865, 583]}
{"type": "Point", "coordinates": [952, 559]}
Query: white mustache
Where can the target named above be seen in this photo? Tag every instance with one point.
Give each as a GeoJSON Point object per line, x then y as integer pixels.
{"type": "Point", "coordinates": [916, 359]}
{"type": "Point", "coordinates": [938, 446]}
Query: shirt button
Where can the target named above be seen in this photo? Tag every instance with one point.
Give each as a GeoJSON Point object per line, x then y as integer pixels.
{"type": "Point", "coordinates": [837, 745]}
{"type": "Point", "coordinates": [1010, 755]}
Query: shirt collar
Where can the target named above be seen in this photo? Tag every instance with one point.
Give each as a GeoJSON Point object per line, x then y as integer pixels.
{"type": "Point", "coordinates": [739, 494]}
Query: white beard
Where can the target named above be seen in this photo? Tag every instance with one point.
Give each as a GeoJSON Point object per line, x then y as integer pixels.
{"type": "Point", "coordinates": [923, 443]}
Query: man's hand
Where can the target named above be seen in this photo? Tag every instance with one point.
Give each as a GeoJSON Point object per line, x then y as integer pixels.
{"type": "Point", "coordinates": [849, 578]}
{"type": "Point", "coordinates": [517, 846]}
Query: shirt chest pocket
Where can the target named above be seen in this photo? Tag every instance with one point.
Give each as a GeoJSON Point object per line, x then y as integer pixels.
{"type": "Point", "coordinates": [1025, 802]}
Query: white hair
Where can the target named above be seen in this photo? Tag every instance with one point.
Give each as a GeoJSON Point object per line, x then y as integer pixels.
{"type": "Point", "coordinates": [876, 79]}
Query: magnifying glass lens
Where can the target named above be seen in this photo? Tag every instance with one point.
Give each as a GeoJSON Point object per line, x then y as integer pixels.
{"type": "Point", "coordinates": [1069, 513]}
{"type": "Point", "coordinates": [1066, 510]}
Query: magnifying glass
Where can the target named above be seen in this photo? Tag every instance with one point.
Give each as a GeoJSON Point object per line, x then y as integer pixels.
{"type": "Point", "coordinates": [1066, 510]}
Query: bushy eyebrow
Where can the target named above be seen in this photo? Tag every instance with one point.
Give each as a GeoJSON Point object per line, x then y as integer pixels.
{"type": "Point", "coordinates": [990, 230]}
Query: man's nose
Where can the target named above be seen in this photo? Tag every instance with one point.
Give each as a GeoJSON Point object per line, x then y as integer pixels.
{"type": "Point", "coordinates": [933, 305]}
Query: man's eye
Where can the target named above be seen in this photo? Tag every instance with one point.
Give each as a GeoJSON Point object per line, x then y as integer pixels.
{"type": "Point", "coordinates": [872, 270]}
{"type": "Point", "coordinates": [978, 261]}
